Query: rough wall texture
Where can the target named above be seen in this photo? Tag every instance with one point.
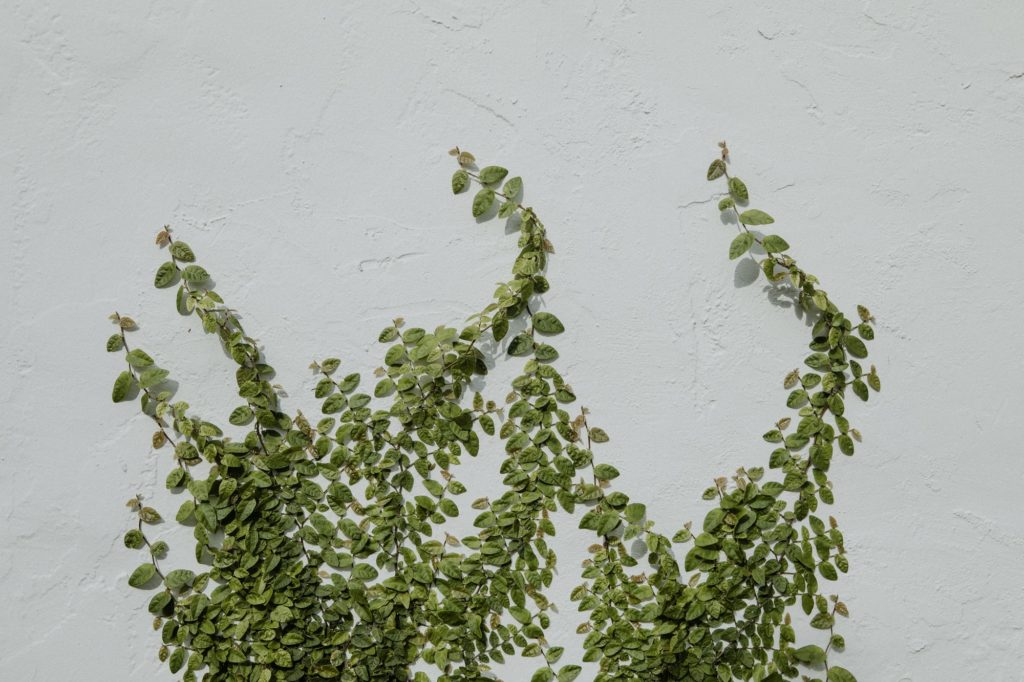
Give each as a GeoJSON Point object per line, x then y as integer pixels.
{"type": "Point", "coordinates": [301, 150]}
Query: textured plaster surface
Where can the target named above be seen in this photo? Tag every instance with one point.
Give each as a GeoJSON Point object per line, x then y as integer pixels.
{"type": "Point", "coordinates": [300, 149]}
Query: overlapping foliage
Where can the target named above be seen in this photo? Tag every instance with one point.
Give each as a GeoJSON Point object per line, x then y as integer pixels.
{"type": "Point", "coordinates": [324, 541]}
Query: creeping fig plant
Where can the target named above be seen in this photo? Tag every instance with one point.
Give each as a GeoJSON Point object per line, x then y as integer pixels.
{"type": "Point", "coordinates": [324, 539]}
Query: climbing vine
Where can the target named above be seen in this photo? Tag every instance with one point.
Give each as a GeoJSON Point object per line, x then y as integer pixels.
{"type": "Point", "coordinates": [324, 541]}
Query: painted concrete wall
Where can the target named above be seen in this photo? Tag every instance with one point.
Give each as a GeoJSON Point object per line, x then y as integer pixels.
{"type": "Point", "coordinates": [300, 149]}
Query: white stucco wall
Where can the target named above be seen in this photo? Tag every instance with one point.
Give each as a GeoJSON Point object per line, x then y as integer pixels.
{"type": "Point", "coordinates": [300, 149]}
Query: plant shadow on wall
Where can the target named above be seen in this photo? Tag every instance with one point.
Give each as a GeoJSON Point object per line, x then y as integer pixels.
{"type": "Point", "coordinates": [324, 539]}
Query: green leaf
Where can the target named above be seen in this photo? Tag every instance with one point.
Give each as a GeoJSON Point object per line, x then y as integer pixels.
{"type": "Point", "coordinates": [492, 174]}
{"type": "Point", "coordinates": [606, 472]}
{"type": "Point", "coordinates": [740, 245]}
{"type": "Point", "coordinates": [874, 382]}
{"type": "Point", "coordinates": [846, 444]}
{"type": "Point", "coordinates": [545, 353]}
{"type": "Point", "coordinates": [714, 518]}
{"type": "Point", "coordinates": [194, 274]}
{"type": "Point", "coordinates": [521, 344]}
{"type": "Point", "coordinates": [726, 203]}
{"type": "Point", "coordinates": [182, 301]}
{"type": "Point", "coordinates": [635, 512]}
{"type": "Point", "coordinates": [569, 673]}
{"type": "Point", "coordinates": [756, 217]}
{"type": "Point", "coordinates": [334, 404]}
{"type": "Point", "coordinates": [810, 654]}
{"type": "Point", "coordinates": [837, 674]}
{"type": "Point", "coordinates": [520, 614]}
{"type": "Point", "coordinates": [797, 398]}
{"type": "Point", "coordinates": [482, 202]}
{"type": "Point", "coordinates": [822, 621]}
{"type": "Point", "coordinates": [608, 522]}
{"type": "Point", "coordinates": [176, 660]}
{"type": "Point", "coordinates": [182, 252]}
{"type": "Point", "coordinates": [773, 243]}
{"type": "Point", "coordinates": [115, 343]}
{"type": "Point", "coordinates": [240, 416]}
{"type": "Point", "coordinates": [682, 535]}
{"type": "Point", "coordinates": [394, 357]}
{"type": "Point", "coordinates": [706, 540]}
{"type": "Point", "coordinates": [499, 327]}
{"type": "Point", "coordinates": [598, 435]}
{"type": "Point", "coordinates": [176, 478]}
{"type": "Point", "coordinates": [546, 323]}
{"type": "Point", "coordinates": [185, 512]}
{"type": "Point", "coordinates": [134, 539]}
{"type": "Point", "coordinates": [513, 187]}
{"type": "Point", "coordinates": [861, 389]}
{"type": "Point", "coordinates": [152, 377]}
{"type": "Point", "coordinates": [138, 359]}
{"type": "Point", "coordinates": [855, 346]}
{"type": "Point", "coordinates": [142, 575]}
{"type": "Point", "coordinates": [818, 361]}
{"type": "Point", "coordinates": [122, 385]}
{"type": "Point", "coordinates": [460, 181]}
{"type": "Point", "coordinates": [738, 190]}
{"type": "Point", "coordinates": [179, 578]}
{"type": "Point", "coordinates": [166, 275]}
{"type": "Point", "coordinates": [159, 603]}
{"type": "Point", "coordinates": [716, 169]}
{"type": "Point", "coordinates": [384, 387]}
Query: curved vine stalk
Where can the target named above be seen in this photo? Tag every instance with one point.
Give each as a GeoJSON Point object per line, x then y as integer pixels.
{"type": "Point", "coordinates": [325, 544]}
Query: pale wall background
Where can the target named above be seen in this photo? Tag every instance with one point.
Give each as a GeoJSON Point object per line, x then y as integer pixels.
{"type": "Point", "coordinates": [300, 148]}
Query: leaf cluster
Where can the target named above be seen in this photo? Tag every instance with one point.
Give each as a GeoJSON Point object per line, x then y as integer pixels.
{"type": "Point", "coordinates": [324, 540]}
